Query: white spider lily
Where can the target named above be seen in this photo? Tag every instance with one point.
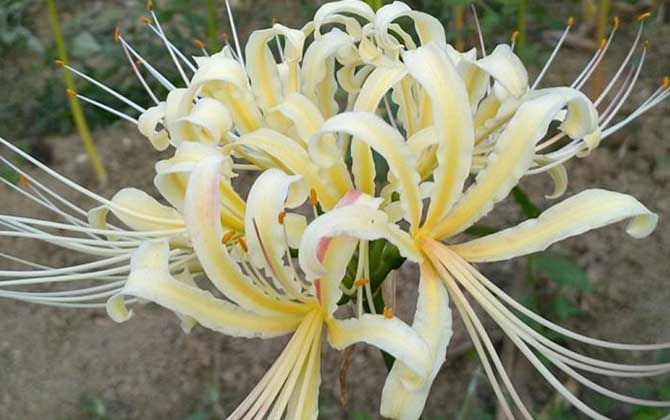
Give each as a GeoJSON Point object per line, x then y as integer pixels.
{"type": "Point", "coordinates": [107, 248]}
{"type": "Point", "coordinates": [456, 114]}
{"type": "Point", "coordinates": [291, 90]}
{"type": "Point", "coordinates": [451, 210]}
{"type": "Point", "coordinates": [267, 295]}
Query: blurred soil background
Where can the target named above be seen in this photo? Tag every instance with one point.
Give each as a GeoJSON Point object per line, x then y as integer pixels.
{"type": "Point", "coordinates": [77, 364]}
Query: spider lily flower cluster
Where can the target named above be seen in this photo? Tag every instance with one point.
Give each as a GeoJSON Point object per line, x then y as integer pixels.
{"type": "Point", "coordinates": [437, 116]}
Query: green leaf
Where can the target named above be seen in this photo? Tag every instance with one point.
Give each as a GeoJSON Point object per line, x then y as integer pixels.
{"type": "Point", "coordinates": [563, 271]}
{"type": "Point", "coordinates": [564, 308]}
{"type": "Point", "coordinates": [85, 45]}
{"type": "Point", "coordinates": [524, 202]}
{"type": "Point", "coordinates": [479, 230]}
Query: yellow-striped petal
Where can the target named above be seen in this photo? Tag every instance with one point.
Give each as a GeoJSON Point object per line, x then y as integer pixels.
{"type": "Point", "coordinates": [388, 334]}
{"type": "Point", "coordinates": [308, 120]}
{"type": "Point", "coordinates": [380, 81]}
{"type": "Point", "coordinates": [432, 322]}
{"type": "Point", "coordinates": [330, 240]}
{"type": "Point", "coordinates": [150, 279]}
{"type": "Point", "coordinates": [506, 68]}
{"type": "Point", "coordinates": [187, 322]}
{"type": "Point", "coordinates": [386, 141]}
{"type": "Point", "coordinates": [513, 154]}
{"type": "Point", "coordinates": [353, 7]}
{"type": "Point", "coordinates": [150, 124]}
{"type": "Point", "coordinates": [202, 214]}
{"type": "Point", "coordinates": [270, 194]}
{"type": "Point", "coordinates": [580, 213]}
{"type": "Point", "coordinates": [427, 27]}
{"type": "Point", "coordinates": [141, 212]}
{"type": "Point", "coordinates": [223, 78]}
{"type": "Point", "coordinates": [318, 69]}
{"type": "Point", "coordinates": [262, 67]}
{"type": "Point", "coordinates": [208, 122]}
{"type": "Point", "coordinates": [452, 120]}
{"type": "Point", "coordinates": [290, 157]}
{"type": "Point", "coordinates": [172, 180]}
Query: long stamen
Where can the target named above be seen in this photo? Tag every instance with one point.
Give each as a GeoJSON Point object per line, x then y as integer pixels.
{"type": "Point", "coordinates": [558, 46]}
{"type": "Point", "coordinates": [512, 333]}
{"type": "Point", "coordinates": [623, 65]}
{"type": "Point", "coordinates": [597, 58]}
{"type": "Point", "coordinates": [138, 74]}
{"type": "Point", "coordinates": [280, 281]}
{"type": "Point", "coordinates": [199, 44]}
{"type": "Point", "coordinates": [162, 36]}
{"type": "Point", "coordinates": [102, 106]}
{"type": "Point", "coordinates": [616, 109]}
{"type": "Point", "coordinates": [476, 330]}
{"type": "Point", "coordinates": [513, 39]}
{"type": "Point", "coordinates": [231, 19]}
{"type": "Point", "coordinates": [171, 46]}
{"type": "Point", "coordinates": [102, 86]}
{"type": "Point", "coordinates": [84, 191]}
{"type": "Point", "coordinates": [641, 110]}
{"type": "Point", "coordinates": [480, 34]}
{"type": "Point", "coordinates": [155, 73]}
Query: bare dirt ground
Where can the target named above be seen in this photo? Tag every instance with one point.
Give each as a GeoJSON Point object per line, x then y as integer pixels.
{"type": "Point", "coordinates": [52, 361]}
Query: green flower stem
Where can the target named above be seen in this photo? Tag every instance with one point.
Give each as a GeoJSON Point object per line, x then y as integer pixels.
{"type": "Point", "coordinates": [604, 7]}
{"type": "Point", "coordinates": [523, 29]}
{"type": "Point", "coordinates": [375, 4]}
{"type": "Point", "coordinates": [459, 23]}
{"type": "Point", "coordinates": [212, 29]}
{"type": "Point", "coordinates": [75, 105]}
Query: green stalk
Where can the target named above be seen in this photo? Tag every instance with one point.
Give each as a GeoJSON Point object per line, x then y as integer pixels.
{"type": "Point", "coordinates": [212, 29]}
{"type": "Point", "coordinates": [375, 4]}
{"type": "Point", "coordinates": [601, 32]}
{"type": "Point", "coordinates": [75, 105]}
{"type": "Point", "coordinates": [521, 39]}
{"type": "Point", "coordinates": [459, 17]}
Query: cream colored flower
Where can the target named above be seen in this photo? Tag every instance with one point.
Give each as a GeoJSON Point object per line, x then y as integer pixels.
{"type": "Point", "coordinates": [266, 295]}
{"type": "Point", "coordinates": [309, 109]}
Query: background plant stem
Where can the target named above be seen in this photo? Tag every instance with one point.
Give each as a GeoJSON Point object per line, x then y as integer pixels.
{"type": "Point", "coordinates": [601, 32]}
{"type": "Point", "coordinates": [522, 27]}
{"type": "Point", "coordinates": [212, 28]}
{"type": "Point", "coordinates": [375, 4]}
{"type": "Point", "coordinates": [75, 106]}
{"type": "Point", "coordinates": [459, 14]}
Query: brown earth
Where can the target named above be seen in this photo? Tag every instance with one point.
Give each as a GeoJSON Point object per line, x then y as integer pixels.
{"type": "Point", "coordinates": [53, 362]}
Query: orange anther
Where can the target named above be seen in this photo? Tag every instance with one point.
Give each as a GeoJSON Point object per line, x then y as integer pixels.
{"type": "Point", "coordinates": [615, 22]}
{"type": "Point", "coordinates": [146, 20]}
{"type": "Point", "coordinates": [603, 42]}
{"type": "Point", "coordinates": [243, 245]}
{"type": "Point", "coordinates": [388, 313]}
{"type": "Point", "coordinates": [117, 34]}
{"type": "Point", "coordinates": [280, 217]}
{"type": "Point", "coordinates": [71, 93]}
{"type": "Point", "coordinates": [313, 199]}
{"type": "Point", "coordinates": [227, 236]}
{"type": "Point", "coordinates": [150, 5]}
{"type": "Point", "coordinates": [666, 82]}
{"type": "Point", "coordinates": [198, 44]}
{"type": "Point", "coordinates": [24, 181]}
{"type": "Point", "coordinates": [224, 35]}
{"type": "Point", "coordinates": [59, 62]}
{"type": "Point", "coordinates": [515, 35]}
{"type": "Point", "coordinates": [643, 17]}
{"type": "Point", "coordinates": [571, 21]}
{"type": "Point", "coordinates": [138, 62]}
{"type": "Point", "coordinates": [361, 282]}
